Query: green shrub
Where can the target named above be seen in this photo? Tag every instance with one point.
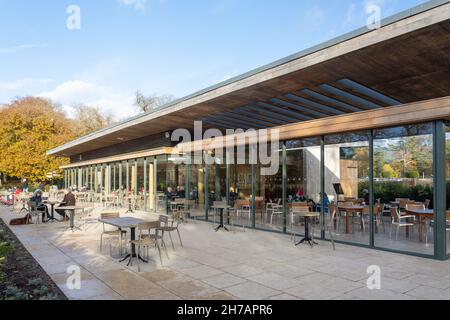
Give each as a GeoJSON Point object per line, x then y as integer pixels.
{"type": "Point", "coordinates": [389, 190]}
{"type": "Point", "coordinates": [413, 174]}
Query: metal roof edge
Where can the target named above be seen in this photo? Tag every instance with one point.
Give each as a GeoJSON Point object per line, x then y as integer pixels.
{"type": "Point", "coordinates": [429, 5]}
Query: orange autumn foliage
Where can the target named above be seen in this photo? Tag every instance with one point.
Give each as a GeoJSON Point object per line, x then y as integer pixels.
{"type": "Point", "coordinates": [29, 127]}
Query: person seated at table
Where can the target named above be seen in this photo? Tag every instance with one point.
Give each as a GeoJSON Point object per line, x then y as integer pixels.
{"type": "Point", "coordinates": [37, 198]}
{"type": "Point", "coordinates": [366, 196]}
{"type": "Point", "coordinates": [180, 192]}
{"type": "Point", "coordinates": [68, 201]}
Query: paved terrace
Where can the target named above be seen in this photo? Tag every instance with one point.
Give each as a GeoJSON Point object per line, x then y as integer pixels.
{"type": "Point", "coordinates": [236, 265]}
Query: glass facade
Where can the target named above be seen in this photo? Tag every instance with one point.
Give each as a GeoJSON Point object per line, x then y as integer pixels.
{"type": "Point", "coordinates": [381, 181]}
{"type": "Point", "coordinates": [347, 185]}
{"type": "Point", "coordinates": [403, 181]}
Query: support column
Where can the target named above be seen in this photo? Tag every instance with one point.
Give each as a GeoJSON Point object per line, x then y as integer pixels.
{"type": "Point", "coordinates": [120, 176]}
{"type": "Point", "coordinates": [322, 184]}
{"type": "Point", "coordinates": [284, 186]}
{"type": "Point", "coordinates": [128, 176]}
{"type": "Point", "coordinates": [439, 196]}
{"type": "Point", "coordinates": [145, 183]}
{"type": "Point", "coordinates": [371, 191]}
{"type": "Point", "coordinates": [206, 187]}
{"type": "Point", "coordinates": [136, 191]}
{"type": "Point", "coordinates": [227, 182]}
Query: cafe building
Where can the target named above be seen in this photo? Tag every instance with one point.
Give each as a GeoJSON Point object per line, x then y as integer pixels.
{"type": "Point", "coordinates": [360, 122]}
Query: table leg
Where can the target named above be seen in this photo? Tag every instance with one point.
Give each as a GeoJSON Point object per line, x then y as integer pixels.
{"type": "Point", "coordinates": [421, 228]}
{"type": "Point", "coordinates": [221, 225]}
{"type": "Point", "coordinates": [347, 222]}
{"type": "Point", "coordinates": [72, 216]}
{"type": "Point", "coordinates": [307, 237]}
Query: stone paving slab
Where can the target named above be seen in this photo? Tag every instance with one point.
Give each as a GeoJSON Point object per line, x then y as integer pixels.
{"type": "Point", "coordinates": [251, 265]}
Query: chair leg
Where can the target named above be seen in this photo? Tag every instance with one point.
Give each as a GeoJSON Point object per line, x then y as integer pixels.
{"type": "Point", "coordinates": [159, 251]}
{"type": "Point", "coordinates": [332, 238]}
{"type": "Point", "coordinates": [101, 242]}
{"type": "Point", "coordinates": [163, 243]}
{"type": "Point", "coordinates": [179, 237]}
{"type": "Point", "coordinates": [171, 240]}
{"type": "Point", "coordinates": [120, 243]}
{"type": "Point", "coordinates": [137, 258]}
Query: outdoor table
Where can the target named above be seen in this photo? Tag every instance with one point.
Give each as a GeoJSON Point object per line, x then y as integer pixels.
{"type": "Point", "coordinates": [350, 210]}
{"type": "Point", "coordinates": [52, 209]}
{"type": "Point", "coordinates": [395, 203]}
{"type": "Point", "coordinates": [221, 208]}
{"type": "Point", "coordinates": [127, 223]}
{"type": "Point", "coordinates": [72, 210]}
{"type": "Point", "coordinates": [421, 215]}
{"type": "Point", "coordinates": [307, 216]}
{"type": "Point", "coordinates": [176, 205]}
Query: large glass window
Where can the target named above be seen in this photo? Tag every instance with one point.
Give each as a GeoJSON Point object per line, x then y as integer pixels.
{"type": "Point", "coordinates": [347, 185]}
{"type": "Point", "coordinates": [303, 161]}
{"type": "Point", "coordinates": [197, 190]}
{"type": "Point", "coordinates": [269, 196]}
{"type": "Point", "coordinates": [403, 185]}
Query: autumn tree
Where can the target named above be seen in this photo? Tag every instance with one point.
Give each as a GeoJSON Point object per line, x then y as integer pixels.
{"type": "Point", "coordinates": [29, 127]}
{"type": "Point", "coordinates": [89, 119]}
{"type": "Point", "coordinates": [148, 103]}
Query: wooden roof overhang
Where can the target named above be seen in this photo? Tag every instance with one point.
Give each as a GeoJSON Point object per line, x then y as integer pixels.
{"type": "Point", "coordinates": [406, 61]}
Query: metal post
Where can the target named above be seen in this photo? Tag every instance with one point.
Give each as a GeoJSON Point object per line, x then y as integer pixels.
{"type": "Point", "coordinates": [145, 183]}
{"type": "Point", "coordinates": [120, 176]}
{"type": "Point", "coordinates": [284, 185]}
{"type": "Point", "coordinates": [128, 175]}
{"type": "Point", "coordinates": [228, 168]}
{"type": "Point", "coordinates": [253, 202]}
{"type": "Point", "coordinates": [108, 178]}
{"type": "Point", "coordinates": [187, 184]}
{"type": "Point", "coordinates": [135, 170]}
{"type": "Point", "coordinates": [439, 196]}
{"type": "Point", "coordinates": [322, 185]}
{"type": "Point", "coordinates": [206, 187]}
{"type": "Point", "coordinates": [155, 184]}
{"type": "Point", "coordinates": [371, 191]}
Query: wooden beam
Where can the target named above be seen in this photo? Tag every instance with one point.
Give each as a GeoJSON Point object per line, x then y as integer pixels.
{"type": "Point", "coordinates": [422, 111]}
{"type": "Point", "coordinates": [122, 157]}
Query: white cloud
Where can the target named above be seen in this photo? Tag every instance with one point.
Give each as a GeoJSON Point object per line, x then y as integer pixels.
{"type": "Point", "coordinates": [15, 49]}
{"type": "Point", "coordinates": [23, 83]}
{"type": "Point", "coordinates": [73, 92]}
{"type": "Point", "coordinates": [138, 5]}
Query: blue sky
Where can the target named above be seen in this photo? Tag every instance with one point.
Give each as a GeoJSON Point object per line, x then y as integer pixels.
{"type": "Point", "coordinates": [158, 46]}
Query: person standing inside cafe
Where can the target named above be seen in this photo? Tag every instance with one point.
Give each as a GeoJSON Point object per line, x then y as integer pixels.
{"type": "Point", "coordinates": [68, 201]}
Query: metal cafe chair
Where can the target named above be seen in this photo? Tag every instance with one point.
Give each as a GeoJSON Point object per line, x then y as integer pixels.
{"type": "Point", "coordinates": [146, 239]}
{"type": "Point", "coordinates": [33, 211]}
{"type": "Point", "coordinates": [120, 234]}
{"type": "Point", "coordinates": [243, 207]}
{"type": "Point", "coordinates": [398, 221]}
{"type": "Point", "coordinates": [170, 225]}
